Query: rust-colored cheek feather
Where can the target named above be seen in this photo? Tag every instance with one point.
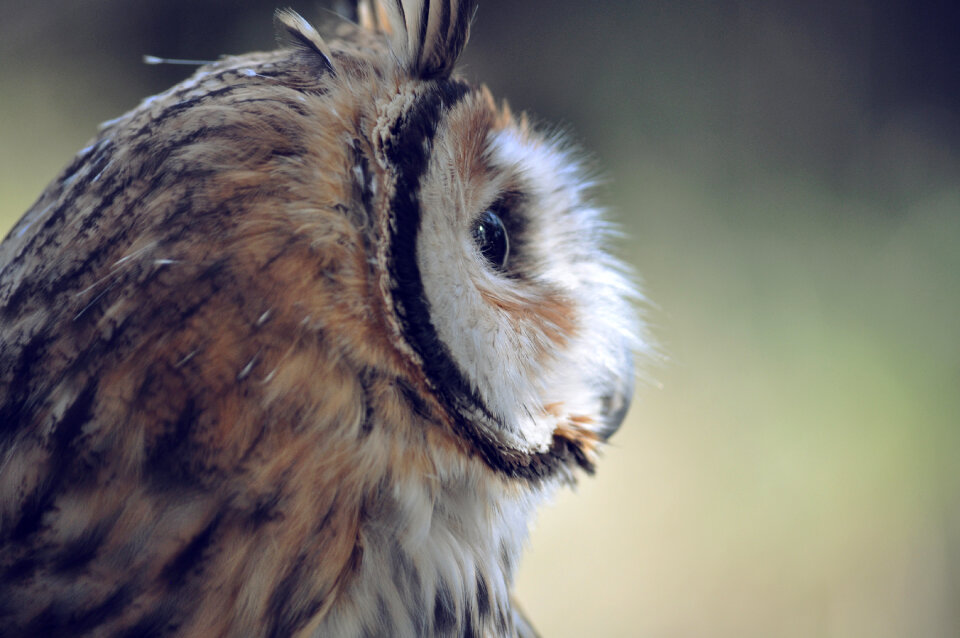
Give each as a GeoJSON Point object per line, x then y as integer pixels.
{"type": "Point", "coordinates": [296, 347]}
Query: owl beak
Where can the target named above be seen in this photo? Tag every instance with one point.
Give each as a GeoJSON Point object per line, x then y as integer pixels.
{"type": "Point", "coordinates": [617, 402]}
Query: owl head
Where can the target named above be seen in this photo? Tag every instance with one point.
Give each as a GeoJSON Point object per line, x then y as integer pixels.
{"type": "Point", "coordinates": [491, 261]}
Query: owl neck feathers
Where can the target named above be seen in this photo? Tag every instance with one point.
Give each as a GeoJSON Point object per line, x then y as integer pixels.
{"type": "Point", "coordinates": [438, 557]}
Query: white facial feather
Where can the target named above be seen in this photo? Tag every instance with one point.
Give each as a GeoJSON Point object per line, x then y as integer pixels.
{"type": "Point", "coordinates": [511, 362]}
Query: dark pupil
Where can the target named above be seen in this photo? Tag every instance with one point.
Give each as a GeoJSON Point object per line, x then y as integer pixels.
{"type": "Point", "coordinates": [491, 238]}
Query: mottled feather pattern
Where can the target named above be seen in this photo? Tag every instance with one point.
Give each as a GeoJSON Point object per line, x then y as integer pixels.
{"type": "Point", "coordinates": [256, 380]}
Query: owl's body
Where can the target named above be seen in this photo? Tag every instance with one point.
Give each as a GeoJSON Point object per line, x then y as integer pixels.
{"type": "Point", "coordinates": [296, 348]}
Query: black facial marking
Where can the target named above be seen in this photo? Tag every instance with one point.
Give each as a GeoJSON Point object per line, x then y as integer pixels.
{"type": "Point", "coordinates": [409, 152]}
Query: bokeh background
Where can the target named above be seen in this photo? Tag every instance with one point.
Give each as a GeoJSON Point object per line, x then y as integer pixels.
{"type": "Point", "coordinates": [788, 179]}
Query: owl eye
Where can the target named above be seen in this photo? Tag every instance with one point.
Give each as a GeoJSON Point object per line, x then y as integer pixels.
{"type": "Point", "coordinates": [490, 236]}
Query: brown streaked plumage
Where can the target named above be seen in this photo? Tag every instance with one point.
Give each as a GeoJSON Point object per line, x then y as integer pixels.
{"type": "Point", "coordinates": [260, 374]}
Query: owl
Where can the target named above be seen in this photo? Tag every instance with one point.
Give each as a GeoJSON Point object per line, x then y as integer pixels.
{"type": "Point", "coordinates": [297, 347]}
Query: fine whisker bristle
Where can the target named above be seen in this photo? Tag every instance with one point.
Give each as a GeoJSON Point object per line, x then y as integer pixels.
{"type": "Point", "coordinates": [153, 59]}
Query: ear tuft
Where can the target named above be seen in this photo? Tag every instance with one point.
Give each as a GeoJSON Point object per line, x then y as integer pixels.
{"type": "Point", "coordinates": [293, 29]}
{"type": "Point", "coordinates": [427, 35]}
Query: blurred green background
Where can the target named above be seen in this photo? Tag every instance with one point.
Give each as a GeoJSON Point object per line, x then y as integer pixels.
{"type": "Point", "coordinates": [787, 178]}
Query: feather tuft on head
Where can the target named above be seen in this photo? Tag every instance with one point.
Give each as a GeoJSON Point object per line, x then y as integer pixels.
{"type": "Point", "coordinates": [426, 35]}
{"type": "Point", "coordinates": [292, 28]}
